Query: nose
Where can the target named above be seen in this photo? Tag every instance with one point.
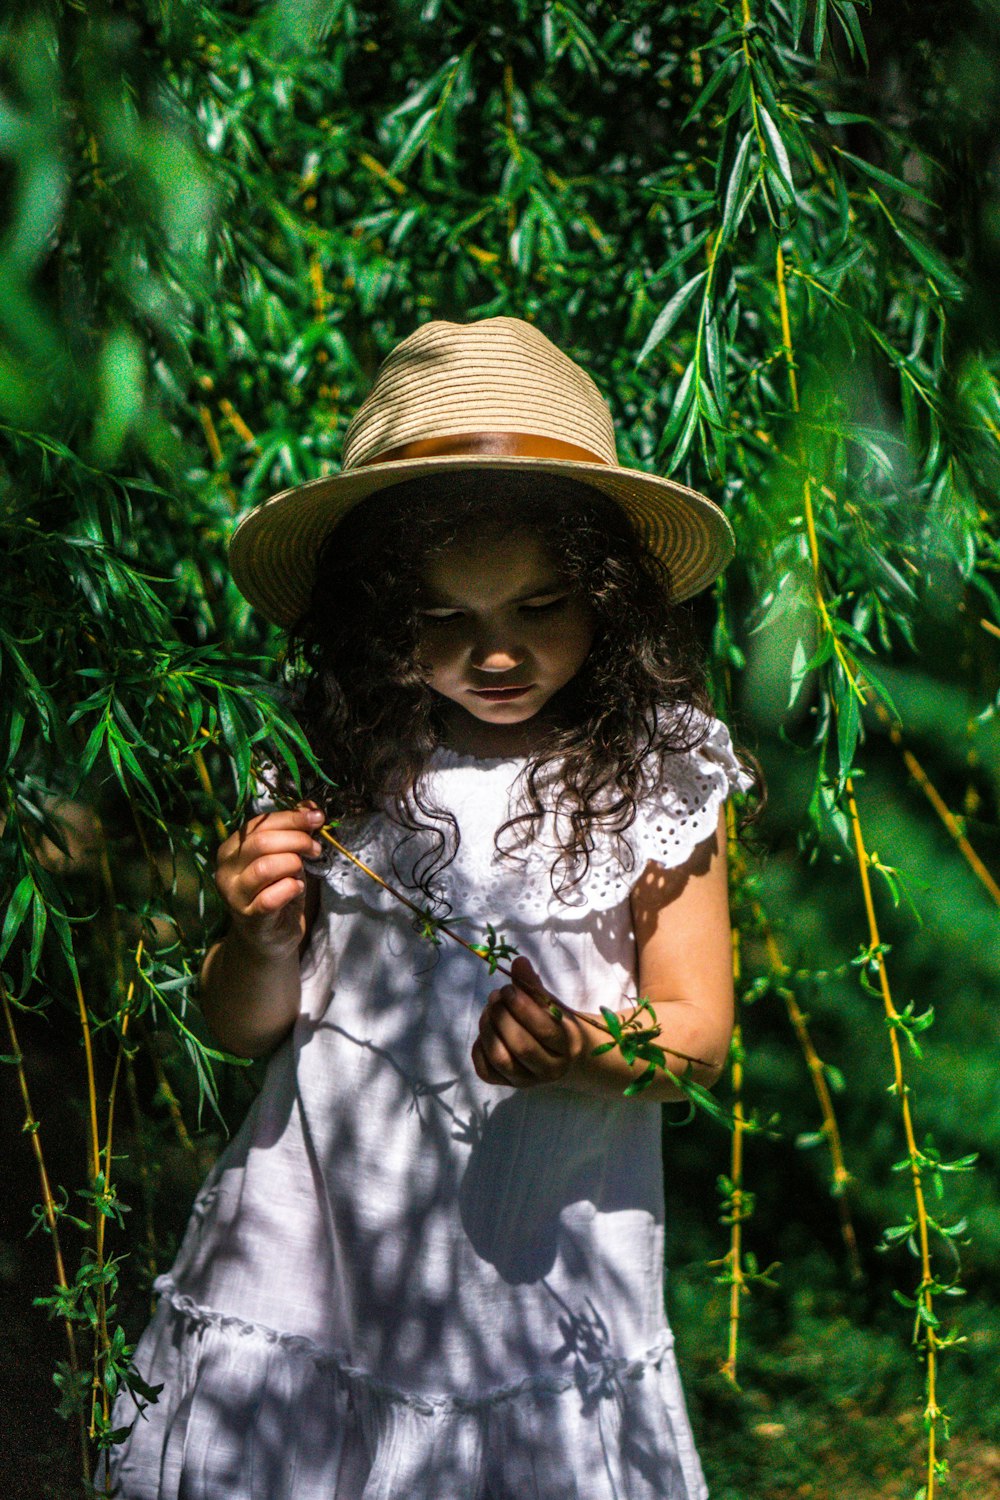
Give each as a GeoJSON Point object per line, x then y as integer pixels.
{"type": "Point", "coordinates": [495, 651]}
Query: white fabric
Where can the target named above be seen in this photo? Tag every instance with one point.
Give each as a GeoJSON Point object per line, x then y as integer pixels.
{"type": "Point", "coordinates": [673, 821]}
{"type": "Point", "coordinates": [400, 1283]}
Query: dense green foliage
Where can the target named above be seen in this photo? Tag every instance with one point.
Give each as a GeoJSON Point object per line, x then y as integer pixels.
{"type": "Point", "coordinates": [772, 234]}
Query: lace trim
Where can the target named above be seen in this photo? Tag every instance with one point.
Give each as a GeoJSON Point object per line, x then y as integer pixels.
{"type": "Point", "coordinates": [673, 819]}
{"type": "Point", "coordinates": [361, 1382]}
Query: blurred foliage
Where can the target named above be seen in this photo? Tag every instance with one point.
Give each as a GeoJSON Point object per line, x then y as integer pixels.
{"type": "Point", "coordinates": [772, 233]}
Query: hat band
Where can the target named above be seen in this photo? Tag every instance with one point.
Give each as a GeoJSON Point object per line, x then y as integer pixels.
{"type": "Point", "coordinates": [490, 444]}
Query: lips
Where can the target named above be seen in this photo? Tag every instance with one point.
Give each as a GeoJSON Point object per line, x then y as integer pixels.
{"type": "Point", "coordinates": [500, 695]}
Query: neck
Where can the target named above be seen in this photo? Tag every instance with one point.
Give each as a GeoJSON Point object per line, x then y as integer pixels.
{"type": "Point", "coordinates": [467, 735]}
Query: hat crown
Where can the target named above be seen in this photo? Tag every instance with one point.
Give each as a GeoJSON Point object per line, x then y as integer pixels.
{"type": "Point", "coordinates": [494, 375]}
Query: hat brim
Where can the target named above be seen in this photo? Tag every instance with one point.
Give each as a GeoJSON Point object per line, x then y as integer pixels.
{"type": "Point", "coordinates": [272, 553]}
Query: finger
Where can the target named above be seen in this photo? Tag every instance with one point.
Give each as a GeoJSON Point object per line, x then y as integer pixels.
{"type": "Point", "coordinates": [294, 818]}
{"type": "Point", "coordinates": [546, 1029]}
{"type": "Point", "coordinates": [483, 1069]}
{"type": "Point", "coordinates": [524, 975]}
{"type": "Point", "coordinates": [528, 980]}
{"type": "Point", "coordinates": [506, 1070]}
{"type": "Point", "coordinates": [495, 1051]}
{"type": "Point", "coordinates": [512, 1050]}
{"type": "Point", "coordinates": [276, 897]}
{"type": "Point", "coordinates": [262, 873]}
{"type": "Point", "coordinates": [287, 818]}
{"type": "Point", "coordinates": [278, 841]}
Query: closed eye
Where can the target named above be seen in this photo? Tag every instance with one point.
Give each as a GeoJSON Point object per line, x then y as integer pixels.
{"type": "Point", "coordinates": [528, 606]}
{"type": "Point", "coordinates": [440, 616]}
{"type": "Point", "coordinates": [546, 606]}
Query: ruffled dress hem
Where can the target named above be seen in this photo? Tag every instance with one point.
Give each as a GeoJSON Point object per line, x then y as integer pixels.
{"type": "Point", "coordinates": [426, 1402]}
{"type": "Point", "coordinates": [249, 1413]}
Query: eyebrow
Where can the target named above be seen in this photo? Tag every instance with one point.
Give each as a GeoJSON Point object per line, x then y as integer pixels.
{"type": "Point", "coordinates": [433, 600]}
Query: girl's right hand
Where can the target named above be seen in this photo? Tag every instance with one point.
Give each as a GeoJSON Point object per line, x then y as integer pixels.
{"type": "Point", "coordinates": [259, 876]}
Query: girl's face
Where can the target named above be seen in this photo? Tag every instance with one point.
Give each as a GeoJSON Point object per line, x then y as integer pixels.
{"type": "Point", "coordinates": [501, 631]}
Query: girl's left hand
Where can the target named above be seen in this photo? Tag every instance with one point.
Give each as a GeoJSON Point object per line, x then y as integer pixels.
{"type": "Point", "coordinates": [521, 1043]}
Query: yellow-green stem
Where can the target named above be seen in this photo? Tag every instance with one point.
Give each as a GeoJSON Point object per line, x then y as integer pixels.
{"type": "Point", "coordinates": [32, 1130]}
{"type": "Point", "coordinates": [938, 803]}
{"type": "Point", "coordinates": [924, 1299]}
{"type": "Point", "coordinates": [737, 1280]}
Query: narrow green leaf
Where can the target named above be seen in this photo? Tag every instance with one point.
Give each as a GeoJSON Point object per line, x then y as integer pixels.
{"type": "Point", "coordinates": [17, 723]}
{"type": "Point", "coordinates": [640, 1083]}
{"type": "Point", "coordinates": [822, 654]}
{"type": "Point", "coordinates": [835, 1078]}
{"type": "Point", "coordinates": [850, 117]}
{"type": "Point", "coordinates": [234, 732]}
{"type": "Point", "coordinates": [669, 315]}
{"type": "Point", "coordinates": [612, 1022]}
{"type": "Point", "coordinates": [39, 922]}
{"type": "Point", "coordinates": [720, 74]}
{"type": "Point", "coordinates": [948, 283]}
{"type": "Point", "coordinates": [798, 13]}
{"type": "Point", "coordinates": [798, 672]}
{"type": "Point", "coordinates": [735, 201]}
{"type": "Point", "coordinates": [413, 101]}
{"type": "Point", "coordinates": [847, 15]}
{"type": "Point", "coordinates": [848, 722]}
{"type": "Point", "coordinates": [885, 178]}
{"type": "Point", "coordinates": [716, 357]}
{"type": "Point", "coordinates": [16, 912]}
{"type": "Point", "coordinates": [682, 255]}
{"type": "Point", "coordinates": [415, 138]}
{"type": "Point", "coordinates": [91, 750]}
{"type": "Point", "coordinates": [686, 438]}
{"type": "Point", "coordinates": [779, 149]}
{"type": "Point", "coordinates": [131, 761]}
{"type": "Point", "coordinates": [681, 404]}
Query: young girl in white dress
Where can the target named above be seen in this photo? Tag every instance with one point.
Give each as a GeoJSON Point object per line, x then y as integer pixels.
{"type": "Point", "coordinates": [430, 1264]}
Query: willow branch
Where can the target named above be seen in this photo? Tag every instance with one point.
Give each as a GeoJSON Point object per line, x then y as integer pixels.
{"type": "Point", "coordinates": [555, 1006]}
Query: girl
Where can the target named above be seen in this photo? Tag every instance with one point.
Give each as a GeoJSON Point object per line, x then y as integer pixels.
{"type": "Point", "coordinates": [429, 1266]}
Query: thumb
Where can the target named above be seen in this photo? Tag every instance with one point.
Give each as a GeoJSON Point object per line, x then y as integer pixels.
{"type": "Point", "coordinates": [525, 977]}
{"type": "Point", "coordinates": [521, 971]}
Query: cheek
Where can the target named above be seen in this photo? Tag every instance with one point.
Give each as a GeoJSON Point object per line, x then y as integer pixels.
{"type": "Point", "coordinates": [565, 649]}
{"type": "Point", "coordinates": [576, 638]}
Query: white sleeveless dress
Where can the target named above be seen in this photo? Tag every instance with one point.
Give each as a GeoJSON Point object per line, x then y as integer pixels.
{"type": "Point", "coordinates": [401, 1283]}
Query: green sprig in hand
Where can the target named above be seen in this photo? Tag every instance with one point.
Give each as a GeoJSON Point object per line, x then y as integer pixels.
{"type": "Point", "coordinates": [553, 1047]}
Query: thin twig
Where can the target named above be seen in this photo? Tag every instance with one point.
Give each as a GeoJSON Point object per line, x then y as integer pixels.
{"type": "Point", "coordinates": [738, 1206]}
{"type": "Point", "coordinates": [925, 1311]}
{"type": "Point", "coordinates": [555, 1006]}
{"type": "Point", "coordinates": [934, 797]}
{"type": "Point", "coordinates": [31, 1129]}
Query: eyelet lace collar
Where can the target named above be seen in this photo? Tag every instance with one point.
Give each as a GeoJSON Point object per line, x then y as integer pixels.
{"type": "Point", "coordinates": [516, 890]}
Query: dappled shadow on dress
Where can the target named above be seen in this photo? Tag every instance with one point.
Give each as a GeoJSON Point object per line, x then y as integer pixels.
{"type": "Point", "coordinates": [528, 1184]}
{"type": "Point", "coordinates": [438, 1238]}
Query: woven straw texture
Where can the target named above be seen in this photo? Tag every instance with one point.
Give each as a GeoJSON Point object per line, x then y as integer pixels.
{"type": "Point", "coordinates": [499, 374]}
{"type": "Point", "coordinates": [449, 379]}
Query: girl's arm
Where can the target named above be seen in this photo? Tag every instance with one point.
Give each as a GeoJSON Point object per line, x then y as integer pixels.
{"type": "Point", "coordinates": [250, 991]}
{"type": "Point", "coordinates": [684, 946]}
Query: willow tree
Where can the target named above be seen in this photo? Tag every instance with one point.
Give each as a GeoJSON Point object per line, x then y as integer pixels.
{"type": "Point", "coordinates": [770, 231]}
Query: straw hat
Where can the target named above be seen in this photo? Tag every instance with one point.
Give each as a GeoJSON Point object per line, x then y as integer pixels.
{"type": "Point", "coordinates": [494, 394]}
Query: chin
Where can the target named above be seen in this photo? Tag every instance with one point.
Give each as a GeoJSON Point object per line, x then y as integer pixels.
{"type": "Point", "coordinates": [502, 713]}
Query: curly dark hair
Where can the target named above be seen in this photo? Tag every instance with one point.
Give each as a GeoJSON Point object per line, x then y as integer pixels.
{"type": "Point", "coordinates": [372, 721]}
